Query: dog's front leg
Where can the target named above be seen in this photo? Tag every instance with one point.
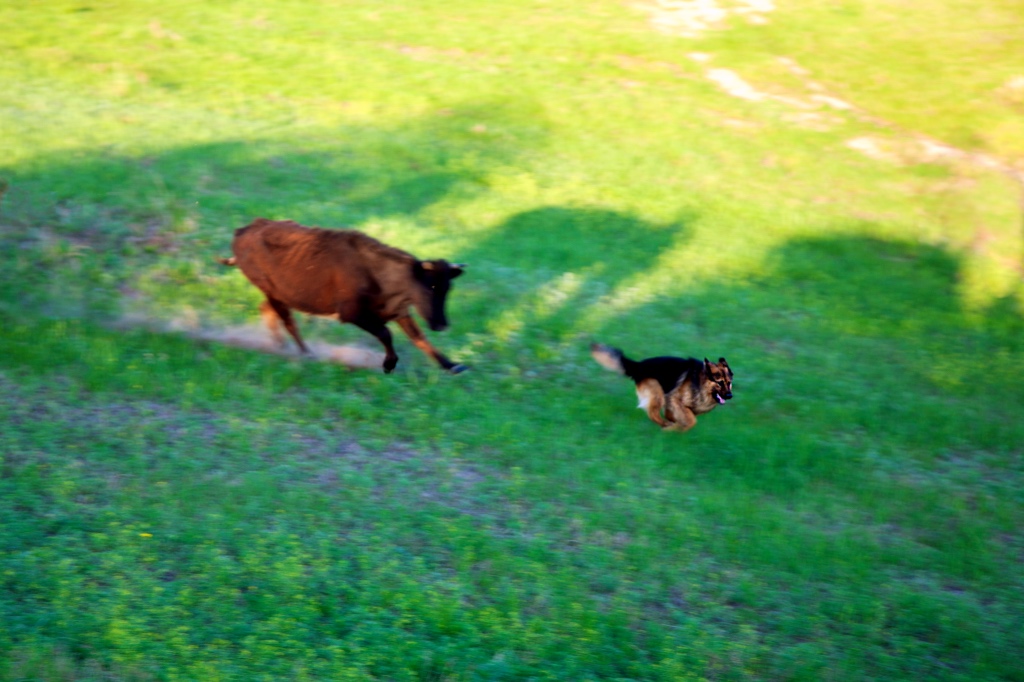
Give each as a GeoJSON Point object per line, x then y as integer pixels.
{"type": "Point", "coordinates": [683, 420]}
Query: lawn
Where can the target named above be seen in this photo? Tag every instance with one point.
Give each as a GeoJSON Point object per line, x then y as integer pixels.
{"type": "Point", "coordinates": [828, 194]}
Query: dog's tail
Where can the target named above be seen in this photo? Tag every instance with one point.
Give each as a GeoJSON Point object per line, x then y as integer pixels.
{"type": "Point", "coordinates": [612, 359]}
{"type": "Point", "coordinates": [226, 261]}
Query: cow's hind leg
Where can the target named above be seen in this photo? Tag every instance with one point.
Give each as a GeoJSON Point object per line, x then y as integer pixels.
{"type": "Point", "coordinates": [414, 332]}
{"type": "Point", "coordinates": [285, 315]}
{"type": "Point", "coordinates": [273, 323]}
{"type": "Point", "coordinates": [374, 325]}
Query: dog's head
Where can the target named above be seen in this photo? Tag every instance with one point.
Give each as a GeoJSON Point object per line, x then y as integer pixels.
{"type": "Point", "coordinates": [719, 380]}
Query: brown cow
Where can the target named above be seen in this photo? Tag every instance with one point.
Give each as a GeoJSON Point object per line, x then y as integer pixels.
{"type": "Point", "coordinates": [346, 275]}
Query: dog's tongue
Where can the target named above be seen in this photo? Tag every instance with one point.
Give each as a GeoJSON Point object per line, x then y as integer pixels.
{"type": "Point", "coordinates": [721, 400]}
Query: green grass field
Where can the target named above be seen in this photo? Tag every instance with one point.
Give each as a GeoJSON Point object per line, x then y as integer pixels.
{"type": "Point", "coordinates": [820, 192]}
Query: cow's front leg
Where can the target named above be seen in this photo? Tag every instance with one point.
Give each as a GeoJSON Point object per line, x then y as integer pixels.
{"type": "Point", "coordinates": [376, 327]}
{"type": "Point", "coordinates": [414, 332]}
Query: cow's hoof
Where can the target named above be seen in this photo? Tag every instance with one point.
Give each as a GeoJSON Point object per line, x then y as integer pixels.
{"type": "Point", "coordinates": [457, 369]}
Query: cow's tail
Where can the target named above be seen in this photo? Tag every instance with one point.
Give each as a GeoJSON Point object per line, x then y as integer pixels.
{"type": "Point", "coordinates": [612, 359]}
{"type": "Point", "coordinates": [227, 261]}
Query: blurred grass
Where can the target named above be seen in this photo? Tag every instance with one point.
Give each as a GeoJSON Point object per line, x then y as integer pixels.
{"type": "Point", "coordinates": [176, 509]}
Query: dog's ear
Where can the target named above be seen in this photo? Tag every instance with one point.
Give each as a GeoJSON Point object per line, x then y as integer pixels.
{"type": "Point", "coordinates": [722, 362]}
{"type": "Point", "coordinates": [707, 365]}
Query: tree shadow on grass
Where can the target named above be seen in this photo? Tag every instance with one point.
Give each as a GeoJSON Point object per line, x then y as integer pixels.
{"type": "Point", "coordinates": [844, 348]}
{"type": "Point", "coordinates": [75, 224]}
{"type": "Point", "coordinates": [356, 173]}
{"type": "Point", "coordinates": [555, 262]}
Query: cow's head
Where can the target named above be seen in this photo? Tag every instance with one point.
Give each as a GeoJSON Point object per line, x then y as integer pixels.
{"type": "Point", "coordinates": [435, 276]}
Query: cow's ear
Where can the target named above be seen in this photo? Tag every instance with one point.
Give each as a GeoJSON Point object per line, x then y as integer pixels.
{"type": "Point", "coordinates": [455, 269]}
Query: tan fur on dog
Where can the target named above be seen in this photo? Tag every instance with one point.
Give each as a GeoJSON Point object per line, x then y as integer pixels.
{"type": "Point", "coordinates": [672, 391]}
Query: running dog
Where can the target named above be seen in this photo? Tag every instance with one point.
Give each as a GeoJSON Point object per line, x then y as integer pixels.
{"type": "Point", "coordinates": [679, 388]}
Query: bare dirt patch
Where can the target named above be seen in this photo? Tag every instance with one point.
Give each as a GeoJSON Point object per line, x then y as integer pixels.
{"type": "Point", "coordinates": [254, 338]}
{"type": "Point", "coordinates": [818, 109]}
{"type": "Point", "coordinates": [690, 18]}
{"type": "Point", "coordinates": [257, 338]}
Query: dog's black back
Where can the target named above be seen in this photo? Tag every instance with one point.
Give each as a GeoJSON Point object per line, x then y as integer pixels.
{"type": "Point", "coordinates": [666, 369]}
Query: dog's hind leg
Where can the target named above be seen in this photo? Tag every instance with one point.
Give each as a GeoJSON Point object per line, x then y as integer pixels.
{"type": "Point", "coordinates": [652, 399]}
